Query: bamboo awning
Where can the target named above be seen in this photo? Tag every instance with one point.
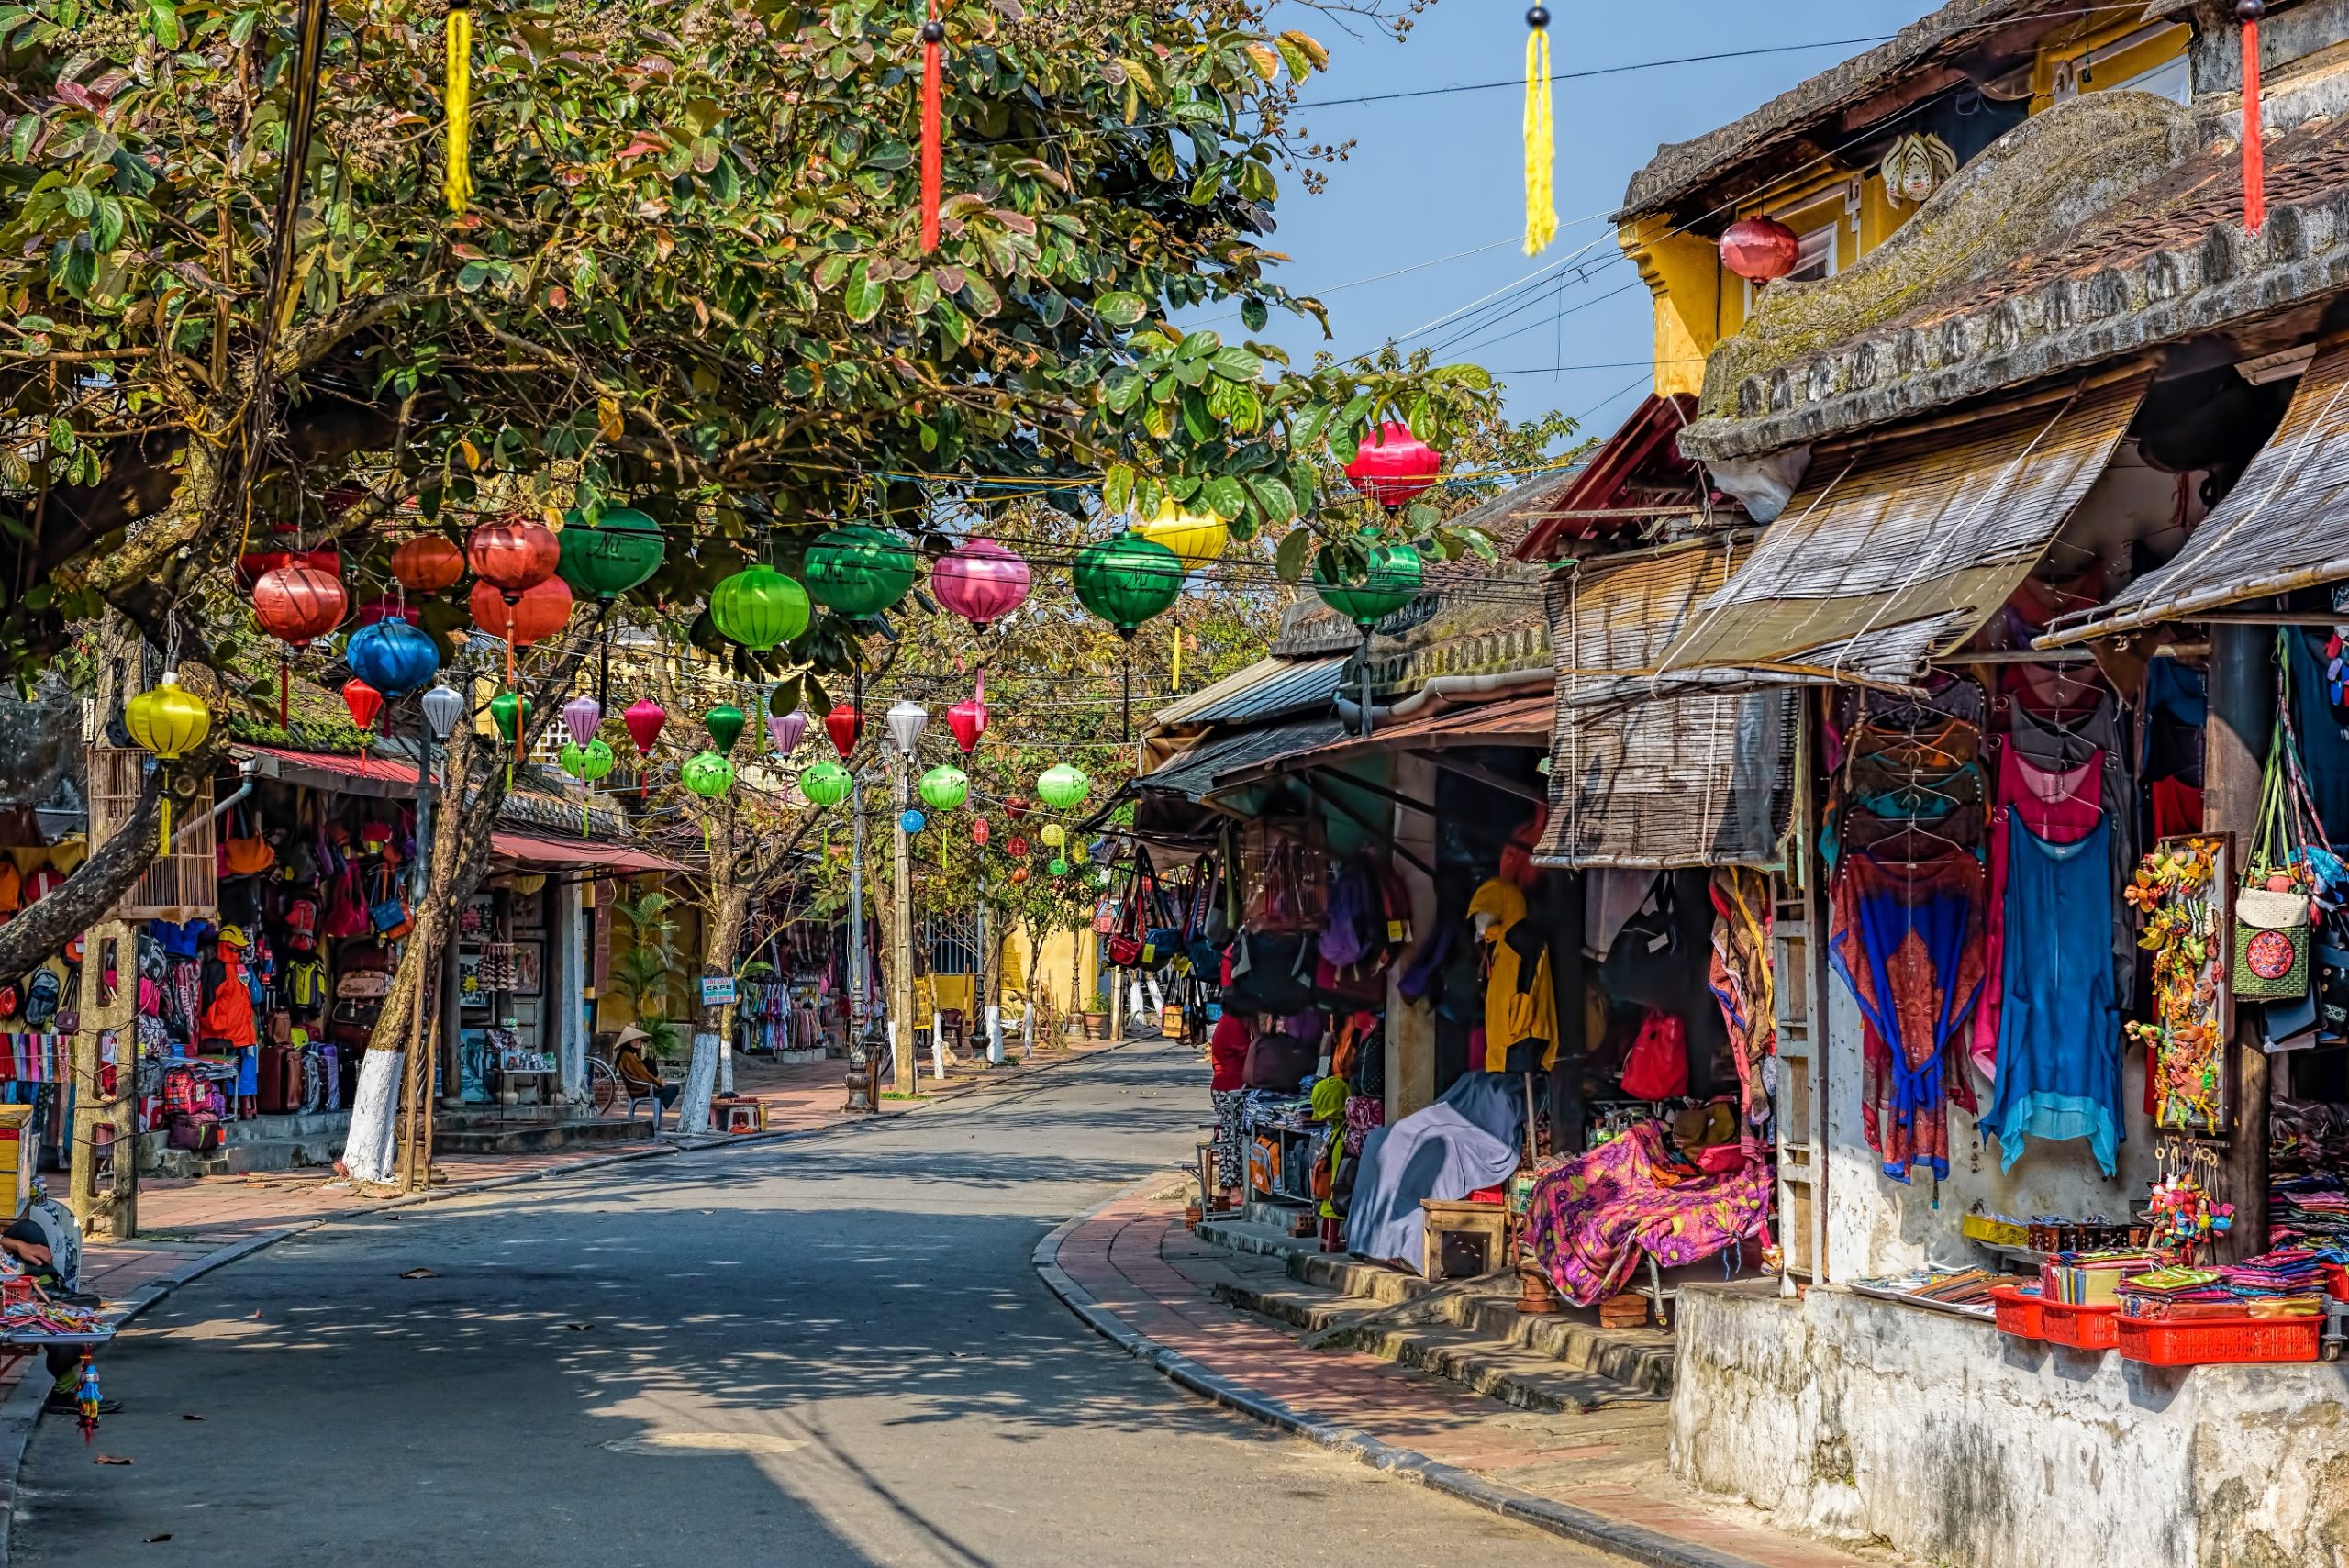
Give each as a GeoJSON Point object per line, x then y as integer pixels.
{"type": "Point", "coordinates": [2285, 525]}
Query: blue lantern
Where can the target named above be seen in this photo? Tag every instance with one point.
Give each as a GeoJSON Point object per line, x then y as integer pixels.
{"type": "Point", "coordinates": [913, 821]}
{"type": "Point", "coordinates": [392, 656]}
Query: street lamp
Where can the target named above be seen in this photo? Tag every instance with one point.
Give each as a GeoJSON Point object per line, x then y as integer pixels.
{"type": "Point", "coordinates": [905, 722]}
{"type": "Point", "coordinates": [440, 708]}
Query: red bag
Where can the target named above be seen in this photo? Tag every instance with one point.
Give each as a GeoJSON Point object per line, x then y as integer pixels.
{"type": "Point", "coordinates": [346, 907]}
{"type": "Point", "coordinates": [1656, 1068]}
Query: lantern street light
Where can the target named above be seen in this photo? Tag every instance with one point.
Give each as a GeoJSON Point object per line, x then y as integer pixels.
{"type": "Point", "coordinates": [907, 720]}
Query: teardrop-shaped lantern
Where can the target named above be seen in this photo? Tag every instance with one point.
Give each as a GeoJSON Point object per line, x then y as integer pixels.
{"type": "Point", "coordinates": [786, 730]}
{"type": "Point", "coordinates": [510, 711]}
{"type": "Point", "coordinates": [581, 716]}
{"type": "Point", "coordinates": [644, 718]}
{"type": "Point", "coordinates": [980, 581]}
{"type": "Point", "coordinates": [363, 701]}
{"type": "Point", "coordinates": [725, 723]}
{"type": "Point", "coordinates": [859, 570]}
{"type": "Point", "coordinates": [968, 721]}
{"type": "Point", "coordinates": [845, 724]}
{"type": "Point", "coordinates": [1393, 466]}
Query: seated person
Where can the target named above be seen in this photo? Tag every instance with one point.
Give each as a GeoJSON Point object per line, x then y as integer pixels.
{"type": "Point", "coordinates": [637, 1071]}
{"type": "Point", "coordinates": [46, 1242]}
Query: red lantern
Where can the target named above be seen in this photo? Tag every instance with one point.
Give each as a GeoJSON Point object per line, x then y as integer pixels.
{"type": "Point", "coordinates": [537, 615]}
{"type": "Point", "coordinates": [644, 718]}
{"type": "Point", "coordinates": [386, 608]}
{"type": "Point", "coordinates": [1017, 808]}
{"type": "Point", "coordinates": [298, 604]}
{"type": "Point", "coordinates": [968, 721]}
{"type": "Point", "coordinates": [1016, 849]}
{"type": "Point", "coordinates": [428, 563]}
{"type": "Point", "coordinates": [254, 563]}
{"type": "Point", "coordinates": [363, 701]}
{"type": "Point", "coordinates": [1759, 248]}
{"type": "Point", "coordinates": [979, 831]}
{"type": "Point", "coordinates": [514, 555]}
{"type": "Point", "coordinates": [1393, 466]}
{"type": "Point", "coordinates": [844, 724]}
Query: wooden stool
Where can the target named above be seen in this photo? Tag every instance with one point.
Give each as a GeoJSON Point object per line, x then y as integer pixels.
{"type": "Point", "coordinates": [745, 1116]}
{"type": "Point", "coordinates": [1486, 1224]}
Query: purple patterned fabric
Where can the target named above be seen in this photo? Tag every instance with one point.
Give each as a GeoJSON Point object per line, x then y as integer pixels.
{"type": "Point", "coordinates": [1593, 1214]}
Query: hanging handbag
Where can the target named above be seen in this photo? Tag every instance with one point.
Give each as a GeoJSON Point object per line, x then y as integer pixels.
{"type": "Point", "coordinates": [389, 913]}
{"type": "Point", "coordinates": [1126, 947]}
{"type": "Point", "coordinates": [2271, 943]}
{"type": "Point", "coordinates": [346, 913]}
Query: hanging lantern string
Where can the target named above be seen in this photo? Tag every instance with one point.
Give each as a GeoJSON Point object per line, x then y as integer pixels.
{"type": "Point", "coordinates": [2255, 156]}
{"type": "Point", "coordinates": [933, 151]}
{"type": "Point", "coordinates": [1541, 137]}
{"type": "Point", "coordinates": [457, 179]}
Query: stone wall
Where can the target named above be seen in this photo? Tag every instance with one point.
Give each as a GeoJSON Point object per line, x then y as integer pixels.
{"type": "Point", "coordinates": [1861, 1420]}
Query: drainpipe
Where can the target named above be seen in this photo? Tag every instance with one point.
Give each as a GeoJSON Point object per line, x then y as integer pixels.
{"type": "Point", "coordinates": [245, 770]}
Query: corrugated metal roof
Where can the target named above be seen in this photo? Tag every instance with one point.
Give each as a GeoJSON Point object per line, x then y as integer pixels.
{"type": "Point", "coordinates": [1193, 773]}
{"type": "Point", "coordinates": [1900, 551]}
{"type": "Point", "coordinates": [2285, 525]}
{"type": "Point", "coordinates": [1266, 689]}
{"type": "Point", "coordinates": [1520, 721]}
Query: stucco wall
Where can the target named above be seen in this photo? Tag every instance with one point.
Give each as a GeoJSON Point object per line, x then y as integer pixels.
{"type": "Point", "coordinates": [1857, 1419]}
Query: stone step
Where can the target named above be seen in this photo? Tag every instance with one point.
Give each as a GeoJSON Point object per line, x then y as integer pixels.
{"type": "Point", "coordinates": [1257, 1238]}
{"type": "Point", "coordinates": [239, 1156]}
{"type": "Point", "coordinates": [304, 1125]}
{"type": "Point", "coordinates": [533, 1137]}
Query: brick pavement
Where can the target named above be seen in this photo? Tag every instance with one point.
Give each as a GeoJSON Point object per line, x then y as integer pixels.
{"type": "Point", "coordinates": [1138, 1261]}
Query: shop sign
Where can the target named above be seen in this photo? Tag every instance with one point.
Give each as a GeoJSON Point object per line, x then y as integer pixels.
{"type": "Point", "coordinates": [717, 990]}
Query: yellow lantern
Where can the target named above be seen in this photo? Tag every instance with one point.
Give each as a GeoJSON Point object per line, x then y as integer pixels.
{"type": "Point", "coordinates": [1054, 835]}
{"type": "Point", "coordinates": [1198, 538]}
{"type": "Point", "coordinates": [171, 721]}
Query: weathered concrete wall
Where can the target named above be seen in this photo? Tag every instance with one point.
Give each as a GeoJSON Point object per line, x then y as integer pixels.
{"type": "Point", "coordinates": [1858, 1419]}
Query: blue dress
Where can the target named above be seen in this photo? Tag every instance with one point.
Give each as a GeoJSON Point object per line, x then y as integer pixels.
{"type": "Point", "coordinates": [2059, 1029]}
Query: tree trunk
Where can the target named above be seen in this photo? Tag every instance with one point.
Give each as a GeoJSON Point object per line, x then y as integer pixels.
{"type": "Point", "coordinates": [730, 914]}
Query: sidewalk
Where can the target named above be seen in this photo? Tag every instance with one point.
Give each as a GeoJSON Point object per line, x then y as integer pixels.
{"type": "Point", "coordinates": [1598, 1475]}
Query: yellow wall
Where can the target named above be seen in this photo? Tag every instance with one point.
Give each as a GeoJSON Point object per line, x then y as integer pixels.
{"type": "Point", "coordinates": [1053, 976]}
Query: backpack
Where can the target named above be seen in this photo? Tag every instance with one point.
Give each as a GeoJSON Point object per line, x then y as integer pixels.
{"type": "Point", "coordinates": [305, 986]}
{"type": "Point", "coordinates": [1656, 1068]}
{"type": "Point", "coordinates": [43, 989]}
{"type": "Point", "coordinates": [346, 912]}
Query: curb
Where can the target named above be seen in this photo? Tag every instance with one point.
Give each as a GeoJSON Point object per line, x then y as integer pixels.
{"type": "Point", "coordinates": [1632, 1542]}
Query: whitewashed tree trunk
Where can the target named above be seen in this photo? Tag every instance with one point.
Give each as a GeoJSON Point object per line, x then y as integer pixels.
{"type": "Point", "coordinates": [701, 1080]}
{"type": "Point", "coordinates": [995, 1036]}
{"type": "Point", "coordinates": [726, 1067]}
{"type": "Point", "coordinates": [369, 1153]}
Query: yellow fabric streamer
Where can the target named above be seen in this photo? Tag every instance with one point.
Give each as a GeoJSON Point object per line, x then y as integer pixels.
{"type": "Point", "coordinates": [1541, 145]}
{"type": "Point", "coordinates": [457, 182]}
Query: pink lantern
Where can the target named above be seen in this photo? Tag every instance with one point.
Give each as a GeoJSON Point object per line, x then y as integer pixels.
{"type": "Point", "coordinates": [786, 730]}
{"type": "Point", "coordinates": [1760, 249]}
{"type": "Point", "coordinates": [644, 718]}
{"type": "Point", "coordinates": [1393, 466]}
{"type": "Point", "coordinates": [980, 581]}
{"type": "Point", "coordinates": [979, 831]}
{"type": "Point", "coordinates": [581, 716]}
{"type": "Point", "coordinates": [387, 607]}
{"type": "Point", "coordinates": [968, 718]}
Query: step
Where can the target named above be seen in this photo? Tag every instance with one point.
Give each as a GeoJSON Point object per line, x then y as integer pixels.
{"type": "Point", "coordinates": [533, 1137]}
{"type": "Point", "coordinates": [238, 1157]}
{"type": "Point", "coordinates": [302, 1125]}
{"type": "Point", "coordinates": [1255, 1237]}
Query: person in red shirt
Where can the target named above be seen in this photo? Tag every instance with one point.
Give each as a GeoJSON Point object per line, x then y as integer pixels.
{"type": "Point", "coordinates": [1228, 1055]}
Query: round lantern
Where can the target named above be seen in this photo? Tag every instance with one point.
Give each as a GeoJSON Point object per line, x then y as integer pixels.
{"type": "Point", "coordinates": [296, 605]}
{"type": "Point", "coordinates": [1054, 835]}
{"type": "Point", "coordinates": [1017, 806]}
{"type": "Point", "coordinates": [1388, 581]}
{"type": "Point", "coordinates": [1393, 466]}
{"type": "Point", "coordinates": [392, 656]}
{"type": "Point", "coordinates": [912, 821]}
{"type": "Point", "coordinates": [513, 556]}
{"type": "Point", "coordinates": [759, 607]}
{"type": "Point", "coordinates": [859, 570]}
{"type": "Point", "coordinates": [1059, 867]}
{"type": "Point", "coordinates": [945, 787]}
{"type": "Point", "coordinates": [167, 719]}
{"type": "Point", "coordinates": [1760, 249]}
{"type": "Point", "coordinates": [786, 730]}
{"type": "Point", "coordinates": [968, 721]}
{"type": "Point", "coordinates": [531, 615]}
{"type": "Point", "coordinates": [980, 581]}
{"type": "Point", "coordinates": [386, 607]}
{"type": "Point", "coordinates": [363, 701]}
{"type": "Point", "coordinates": [844, 724]}
{"type": "Point", "coordinates": [826, 784]}
{"type": "Point", "coordinates": [586, 762]}
{"type": "Point", "coordinates": [581, 716]}
{"type": "Point", "coordinates": [1198, 539]}
{"type": "Point", "coordinates": [1018, 875]}
{"type": "Point", "coordinates": [510, 711]}
{"type": "Point", "coordinates": [1127, 580]}
{"type": "Point", "coordinates": [708, 775]}
{"type": "Point", "coordinates": [604, 557]}
{"type": "Point", "coordinates": [1063, 786]}
{"type": "Point", "coordinates": [644, 718]}
{"type": "Point", "coordinates": [979, 831]}
{"type": "Point", "coordinates": [1016, 849]}
{"type": "Point", "coordinates": [254, 565]}
{"type": "Point", "coordinates": [725, 723]}
{"type": "Point", "coordinates": [427, 564]}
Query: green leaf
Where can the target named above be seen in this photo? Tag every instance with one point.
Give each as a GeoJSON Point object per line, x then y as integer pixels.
{"type": "Point", "coordinates": [163, 20]}
{"type": "Point", "coordinates": [1422, 519]}
{"type": "Point", "coordinates": [865, 295]}
{"type": "Point", "coordinates": [1479, 541]}
{"type": "Point", "coordinates": [1306, 428]}
{"type": "Point", "coordinates": [79, 201]}
{"type": "Point", "coordinates": [1117, 487]}
{"type": "Point", "coordinates": [1253, 314]}
{"type": "Point", "coordinates": [473, 275]}
{"type": "Point", "coordinates": [1272, 497]}
{"type": "Point", "coordinates": [979, 296]}
{"type": "Point", "coordinates": [1290, 560]}
{"type": "Point", "coordinates": [831, 270]}
{"type": "Point", "coordinates": [1122, 389]}
{"type": "Point", "coordinates": [1121, 309]}
{"type": "Point", "coordinates": [1224, 496]}
{"type": "Point", "coordinates": [1239, 364]}
{"type": "Point", "coordinates": [20, 140]}
{"type": "Point", "coordinates": [890, 154]}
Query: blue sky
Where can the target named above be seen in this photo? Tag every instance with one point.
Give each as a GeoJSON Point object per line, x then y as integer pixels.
{"type": "Point", "coordinates": [1431, 177]}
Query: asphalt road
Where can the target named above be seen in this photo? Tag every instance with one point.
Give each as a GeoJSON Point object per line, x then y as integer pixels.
{"type": "Point", "coordinates": [819, 1353]}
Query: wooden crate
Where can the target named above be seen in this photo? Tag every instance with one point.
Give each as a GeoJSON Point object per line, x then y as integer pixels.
{"type": "Point", "coordinates": [180, 885]}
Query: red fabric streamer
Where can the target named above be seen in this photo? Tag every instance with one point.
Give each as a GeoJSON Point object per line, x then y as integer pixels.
{"type": "Point", "coordinates": [2254, 157]}
{"type": "Point", "coordinates": [933, 176]}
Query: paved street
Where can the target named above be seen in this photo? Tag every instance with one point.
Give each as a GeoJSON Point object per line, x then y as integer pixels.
{"type": "Point", "coordinates": [825, 1352]}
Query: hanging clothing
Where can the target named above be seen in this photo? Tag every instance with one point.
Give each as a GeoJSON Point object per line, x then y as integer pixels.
{"type": "Point", "coordinates": [1743, 984]}
{"type": "Point", "coordinates": [1906, 938]}
{"type": "Point", "coordinates": [1521, 1003]}
{"type": "Point", "coordinates": [2324, 739]}
{"type": "Point", "coordinates": [2064, 744]}
{"type": "Point", "coordinates": [2060, 807]}
{"type": "Point", "coordinates": [2059, 1034]}
{"type": "Point", "coordinates": [1609, 900]}
{"type": "Point", "coordinates": [228, 1003]}
{"type": "Point", "coordinates": [2176, 808]}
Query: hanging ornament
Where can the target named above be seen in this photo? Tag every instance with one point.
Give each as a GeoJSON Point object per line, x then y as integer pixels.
{"type": "Point", "coordinates": [826, 784]}
{"type": "Point", "coordinates": [510, 711]}
{"type": "Point", "coordinates": [933, 131]}
{"type": "Point", "coordinates": [587, 764]}
{"type": "Point", "coordinates": [427, 564]}
{"type": "Point", "coordinates": [1126, 579]}
{"type": "Point", "coordinates": [708, 775]}
{"type": "Point", "coordinates": [2254, 155]}
{"type": "Point", "coordinates": [364, 702]}
{"type": "Point", "coordinates": [981, 582]}
{"type": "Point", "coordinates": [1387, 582]}
{"type": "Point", "coordinates": [1018, 875]}
{"type": "Point", "coordinates": [945, 787]}
{"type": "Point", "coordinates": [296, 605]}
{"type": "Point", "coordinates": [1016, 849]}
{"type": "Point", "coordinates": [1760, 249]}
{"type": "Point", "coordinates": [967, 720]}
{"type": "Point", "coordinates": [1394, 467]}
{"type": "Point", "coordinates": [979, 831]}
{"type": "Point", "coordinates": [844, 724]}
{"type": "Point", "coordinates": [1541, 136]}
{"type": "Point", "coordinates": [907, 719]}
{"type": "Point", "coordinates": [786, 730]}
{"type": "Point", "coordinates": [456, 96]}
{"type": "Point", "coordinates": [1198, 539]}
{"type": "Point", "coordinates": [725, 723]}
{"type": "Point", "coordinates": [1077, 853]}
{"type": "Point", "coordinates": [1054, 836]}
{"type": "Point", "coordinates": [859, 570]}
{"type": "Point", "coordinates": [581, 716]}
{"type": "Point", "coordinates": [386, 607]}
{"type": "Point", "coordinates": [171, 721]}
{"type": "Point", "coordinates": [912, 821]}
{"type": "Point", "coordinates": [1017, 806]}
{"type": "Point", "coordinates": [604, 556]}
{"type": "Point", "coordinates": [255, 564]}
{"type": "Point", "coordinates": [1059, 867]}
{"type": "Point", "coordinates": [514, 555]}
{"type": "Point", "coordinates": [1063, 786]}
{"type": "Point", "coordinates": [392, 656]}
{"type": "Point", "coordinates": [531, 617]}
{"type": "Point", "coordinates": [644, 718]}
{"type": "Point", "coordinates": [759, 607]}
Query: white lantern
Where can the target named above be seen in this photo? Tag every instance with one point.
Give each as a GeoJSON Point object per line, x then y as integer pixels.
{"type": "Point", "coordinates": [442, 708]}
{"type": "Point", "coordinates": [907, 720]}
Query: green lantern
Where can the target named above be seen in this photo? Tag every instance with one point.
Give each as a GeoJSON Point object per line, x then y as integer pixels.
{"type": "Point", "coordinates": [1389, 580]}
{"type": "Point", "coordinates": [759, 607]}
{"type": "Point", "coordinates": [605, 557]}
{"type": "Point", "coordinates": [1127, 580]}
{"type": "Point", "coordinates": [708, 775]}
{"type": "Point", "coordinates": [587, 764]}
{"type": "Point", "coordinates": [1063, 786]}
{"type": "Point", "coordinates": [725, 724]}
{"type": "Point", "coordinates": [1059, 866]}
{"type": "Point", "coordinates": [826, 784]}
{"type": "Point", "coordinates": [945, 787]}
{"type": "Point", "coordinates": [510, 711]}
{"type": "Point", "coordinates": [859, 570]}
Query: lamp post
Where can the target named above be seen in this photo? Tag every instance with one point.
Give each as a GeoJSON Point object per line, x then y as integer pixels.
{"type": "Point", "coordinates": [907, 720]}
{"type": "Point", "coordinates": [439, 710]}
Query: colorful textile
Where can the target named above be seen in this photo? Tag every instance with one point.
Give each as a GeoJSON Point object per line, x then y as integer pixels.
{"type": "Point", "coordinates": [1592, 1216]}
{"type": "Point", "coordinates": [1906, 937]}
{"type": "Point", "coordinates": [2059, 1030]}
{"type": "Point", "coordinates": [2063, 743]}
{"type": "Point", "coordinates": [1227, 1137]}
{"type": "Point", "coordinates": [2060, 808]}
{"type": "Point", "coordinates": [1741, 981]}
{"type": "Point", "coordinates": [1363, 1113]}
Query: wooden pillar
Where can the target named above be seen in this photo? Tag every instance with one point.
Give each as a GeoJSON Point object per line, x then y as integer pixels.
{"type": "Point", "coordinates": [113, 1212]}
{"type": "Point", "coordinates": [1410, 1026]}
{"type": "Point", "coordinates": [1564, 896]}
{"type": "Point", "coordinates": [2243, 721]}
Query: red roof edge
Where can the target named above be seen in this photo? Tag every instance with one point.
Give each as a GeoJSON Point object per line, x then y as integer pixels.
{"type": "Point", "coordinates": [1651, 434]}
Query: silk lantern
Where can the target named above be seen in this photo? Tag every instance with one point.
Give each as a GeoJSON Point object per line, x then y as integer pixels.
{"type": "Point", "coordinates": [786, 730]}
{"type": "Point", "coordinates": [967, 720]}
{"type": "Point", "coordinates": [725, 723]}
{"type": "Point", "coordinates": [296, 605]}
{"type": "Point", "coordinates": [912, 821]}
{"type": "Point", "coordinates": [845, 724]}
{"type": "Point", "coordinates": [386, 607]}
{"type": "Point", "coordinates": [1392, 466]}
{"type": "Point", "coordinates": [907, 720]}
{"type": "Point", "coordinates": [1388, 580]}
{"type": "Point", "coordinates": [604, 556]}
{"type": "Point", "coordinates": [1058, 868]}
{"type": "Point", "coordinates": [945, 787]}
{"type": "Point", "coordinates": [1063, 786]}
{"type": "Point", "coordinates": [392, 656]}
{"type": "Point", "coordinates": [510, 711]}
{"type": "Point", "coordinates": [1018, 875]}
{"type": "Point", "coordinates": [979, 831]}
{"type": "Point", "coordinates": [364, 702]}
{"type": "Point", "coordinates": [587, 764]}
{"type": "Point", "coordinates": [1198, 539]}
{"type": "Point", "coordinates": [1054, 835]}
{"type": "Point", "coordinates": [981, 581]}
{"type": "Point", "coordinates": [170, 721]}
{"type": "Point", "coordinates": [514, 555]}
{"type": "Point", "coordinates": [759, 607]}
{"type": "Point", "coordinates": [708, 776]}
{"type": "Point", "coordinates": [826, 784]}
{"type": "Point", "coordinates": [1760, 249]}
{"type": "Point", "coordinates": [581, 716]}
{"type": "Point", "coordinates": [1127, 580]}
{"type": "Point", "coordinates": [1016, 849]}
{"type": "Point", "coordinates": [427, 564]}
{"type": "Point", "coordinates": [644, 718]}
{"type": "Point", "coordinates": [534, 615]}
{"type": "Point", "coordinates": [859, 570]}
{"type": "Point", "coordinates": [254, 565]}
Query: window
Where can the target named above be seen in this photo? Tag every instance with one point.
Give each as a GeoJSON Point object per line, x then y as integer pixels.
{"type": "Point", "coordinates": [2171, 79]}
{"type": "Point", "coordinates": [1815, 254]}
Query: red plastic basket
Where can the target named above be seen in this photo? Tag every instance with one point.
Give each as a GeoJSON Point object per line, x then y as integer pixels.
{"type": "Point", "coordinates": [2019, 1312]}
{"type": "Point", "coordinates": [2336, 1281]}
{"type": "Point", "coordinates": [2198, 1342]}
{"type": "Point", "coordinates": [2081, 1327]}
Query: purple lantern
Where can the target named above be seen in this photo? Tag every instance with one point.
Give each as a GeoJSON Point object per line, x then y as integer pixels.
{"type": "Point", "coordinates": [786, 730]}
{"type": "Point", "coordinates": [581, 716]}
{"type": "Point", "coordinates": [980, 581]}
